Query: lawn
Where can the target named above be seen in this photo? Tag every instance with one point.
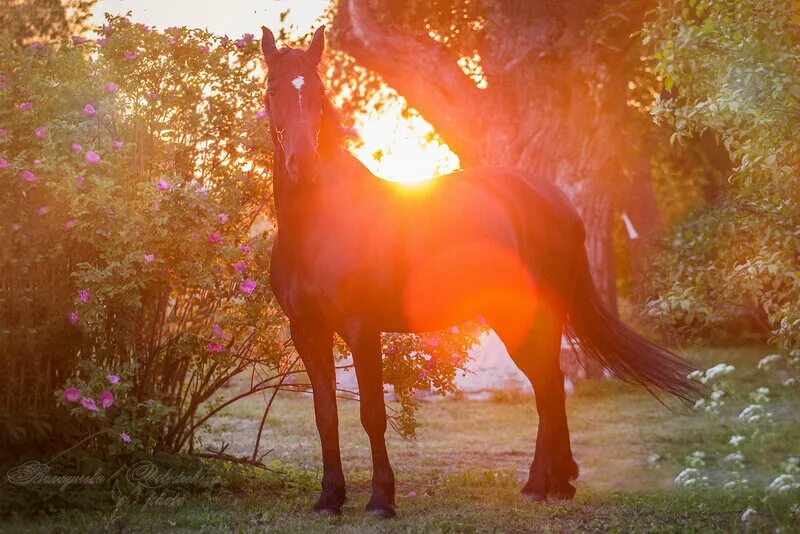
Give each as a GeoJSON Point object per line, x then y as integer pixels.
{"type": "Point", "coordinates": [465, 468]}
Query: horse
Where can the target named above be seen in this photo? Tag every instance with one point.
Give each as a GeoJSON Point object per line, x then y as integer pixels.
{"type": "Point", "coordinates": [357, 255]}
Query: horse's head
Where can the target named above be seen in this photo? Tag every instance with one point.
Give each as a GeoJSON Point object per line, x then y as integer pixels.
{"type": "Point", "coordinates": [294, 100]}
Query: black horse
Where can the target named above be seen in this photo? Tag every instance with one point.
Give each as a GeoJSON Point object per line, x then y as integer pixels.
{"type": "Point", "coordinates": [357, 255]}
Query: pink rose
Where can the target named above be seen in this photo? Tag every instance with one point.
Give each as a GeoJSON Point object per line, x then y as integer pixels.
{"type": "Point", "coordinates": [40, 131]}
{"type": "Point", "coordinates": [240, 43]}
{"type": "Point", "coordinates": [116, 145]}
{"type": "Point", "coordinates": [110, 87]}
{"type": "Point", "coordinates": [215, 347]}
{"type": "Point", "coordinates": [153, 96]}
{"type": "Point", "coordinates": [73, 318]}
{"type": "Point", "coordinates": [72, 394]}
{"type": "Point", "coordinates": [84, 296]}
{"type": "Point", "coordinates": [26, 106]}
{"type": "Point", "coordinates": [28, 176]}
{"type": "Point", "coordinates": [3, 163]}
{"type": "Point", "coordinates": [106, 399]}
{"type": "Point", "coordinates": [130, 55]}
{"type": "Point", "coordinates": [148, 258]}
{"type": "Point", "coordinates": [248, 286]}
{"type": "Point", "coordinates": [89, 404]}
{"type": "Point", "coordinates": [69, 225]}
{"type": "Point", "coordinates": [92, 157]}
{"type": "Point", "coordinates": [113, 379]}
{"type": "Point", "coordinates": [215, 238]}
{"type": "Point", "coordinates": [42, 210]}
{"type": "Point", "coordinates": [163, 185]}
{"type": "Point", "coordinates": [245, 249]}
{"type": "Point", "coordinates": [89, 110]}
{"type": "Point", "coordinates": [102, 41]}
{"type": "Point", "coordinates": [76, 147]}
{"type": "Point", "coordinates": [79, 181]}
{"type": "Point", "coordinates": [222, 218]}
{"type": "Point", "coordinates": [239, 266]}
{"type": "Point", "coordinates": [124, 437]}
{"type": "Point", "coordinates": [78, 40]}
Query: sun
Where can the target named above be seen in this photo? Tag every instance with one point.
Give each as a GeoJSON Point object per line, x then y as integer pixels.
{"type": "Point", "coordinates": [397, 144]}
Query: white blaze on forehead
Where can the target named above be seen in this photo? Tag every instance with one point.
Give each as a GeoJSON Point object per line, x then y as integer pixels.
{"type": "Point", "coordinates": [298, 84]}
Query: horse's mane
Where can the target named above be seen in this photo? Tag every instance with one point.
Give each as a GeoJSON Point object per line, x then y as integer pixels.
{"type": "Point", "coordinates": [331, 133]}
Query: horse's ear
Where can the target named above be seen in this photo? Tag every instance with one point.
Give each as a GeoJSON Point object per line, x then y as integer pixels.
{"type": "Point", "coordinates": [268, 46]}
{"type": "Point", "coordinates": [317, 45]}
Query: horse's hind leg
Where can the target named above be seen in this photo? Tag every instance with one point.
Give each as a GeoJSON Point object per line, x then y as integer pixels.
{"type": "Point", "coordinates": [538, 358]}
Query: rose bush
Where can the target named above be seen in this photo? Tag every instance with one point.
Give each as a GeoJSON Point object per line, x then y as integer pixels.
{"type": "Point", "coordinates": [136, 223]}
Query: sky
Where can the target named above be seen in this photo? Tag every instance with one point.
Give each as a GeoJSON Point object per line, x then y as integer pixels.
{"type": "Point", "coordinates": [231, 17]}
{"type": "Point", "coordinates": [405, 152]}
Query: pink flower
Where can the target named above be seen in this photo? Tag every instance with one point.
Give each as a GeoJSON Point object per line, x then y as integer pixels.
{"type": "Point", "coordinates": [89, 404]}
{"type": "Point", "coordinates": [79, 181]}
{"type": "Point", "coordinates": [40, 131]}
{"type": "Point", "coordinates": [248, 286]}
{"type": "Point", "coordinates": [110, 87]}
{"type": "Point", "coordinates": [3, 132]}
{"type": "Point", "coordinates": [89, 110]}
{"type": "Point", "coordinates": [3, 163]}
{"type": "Point", "coordinates": [225, 41]}
{"type": "Point", "coordinates": [130, 55]}
{"type": "Point", "coordinates": [454, 330]}
{"type": "Point", "coordinates": [163, 185]}
{"type": "Point", "coordinates": [205, 48]}
{"type": "Point", "coordinates": [70, 224]}
{"type": "Point", "coordinates": [248, 37]}
{"type": "Point", "coordinates": [215, 347]}
{"type": "Point", "coordinates": [106, 399]}
{"type": "Point", "coordinates": [411, 494]}
{"type": "Point", "coordinates": [239, 266]}
{"type": "Point", "coordinates": [148, 258]}
{"type": "Point", "coordinates": [102, 41]}
{"type": "Point", "coordinates": [116, 145]}
{"type": "Point", "coordinates": [26, 106]}
{"type": "Point", "coordinates": [73, 318]}
{"type": "Point", "coordinates": [92, 157]}
{"type": "Point", "coordinates": [153, 96]}
{"type": "Point", "coordinates": [215, 238]}
{"type": "Point", "coordinates": [222, 218]}
{"type": "Point", "coordinates": [72, 394]}
{"type": "Point", "coordinates": [37, 46]}
{"type": "Point", "coordinates": [240, 43]}
{"type": "Point", "coordinates": [218, 331]}
{"type": "Point", "coordinates": [124, 437]}
{"type": "Point", "coordinates": [78, 40]}
{"type": "Point", "coordinates": [84, 295]}
{"type": "Point", "coordinates": [245, 249]}
{"type": "Point", "coordinates": [28, 176]}
{"type": "Point", "coordinates": [423, 374]}
{"type": "Point", "coordinates": [173, 40]}
{"type": "Point", "coordinates": [76, 147]}
{"type": "Point", "coordinates": [107, 29]}
{"type": "Point", "coordinates": [42, 210]}
{"type": "Point", "coordinates": [260, 114]}
{"type": "Point", "coordinates": [150, 402]}
{"type": "Point", "coordinates": [113, 379]}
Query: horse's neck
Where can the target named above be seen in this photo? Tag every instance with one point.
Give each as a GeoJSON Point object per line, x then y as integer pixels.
{"type": "Point", "coordinates": [297, 207]}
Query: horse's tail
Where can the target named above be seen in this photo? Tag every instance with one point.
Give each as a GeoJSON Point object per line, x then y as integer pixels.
{"type": "Point", "coordinates": [599, 334]}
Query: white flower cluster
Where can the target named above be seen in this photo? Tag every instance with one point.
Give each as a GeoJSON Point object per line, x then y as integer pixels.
{"type": "Point", "coordinates": [712, 373]}
{"type": "Point", "coordinates": [691, 478]}
{"type": "Point", "coordinates": [768, 361]}
{"type": "Point", "coordinates": [754, 414]}
{"type": "Point", "coordinates": [748, 515]}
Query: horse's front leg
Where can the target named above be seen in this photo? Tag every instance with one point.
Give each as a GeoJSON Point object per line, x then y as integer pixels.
{"type": "Point", "coordinates": [315, 347]}
{"type": "Point", "coordinates": [365, 345]}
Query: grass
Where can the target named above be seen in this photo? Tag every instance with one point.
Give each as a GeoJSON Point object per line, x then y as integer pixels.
{"type": "Point", "coordinates": [464, 471]}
